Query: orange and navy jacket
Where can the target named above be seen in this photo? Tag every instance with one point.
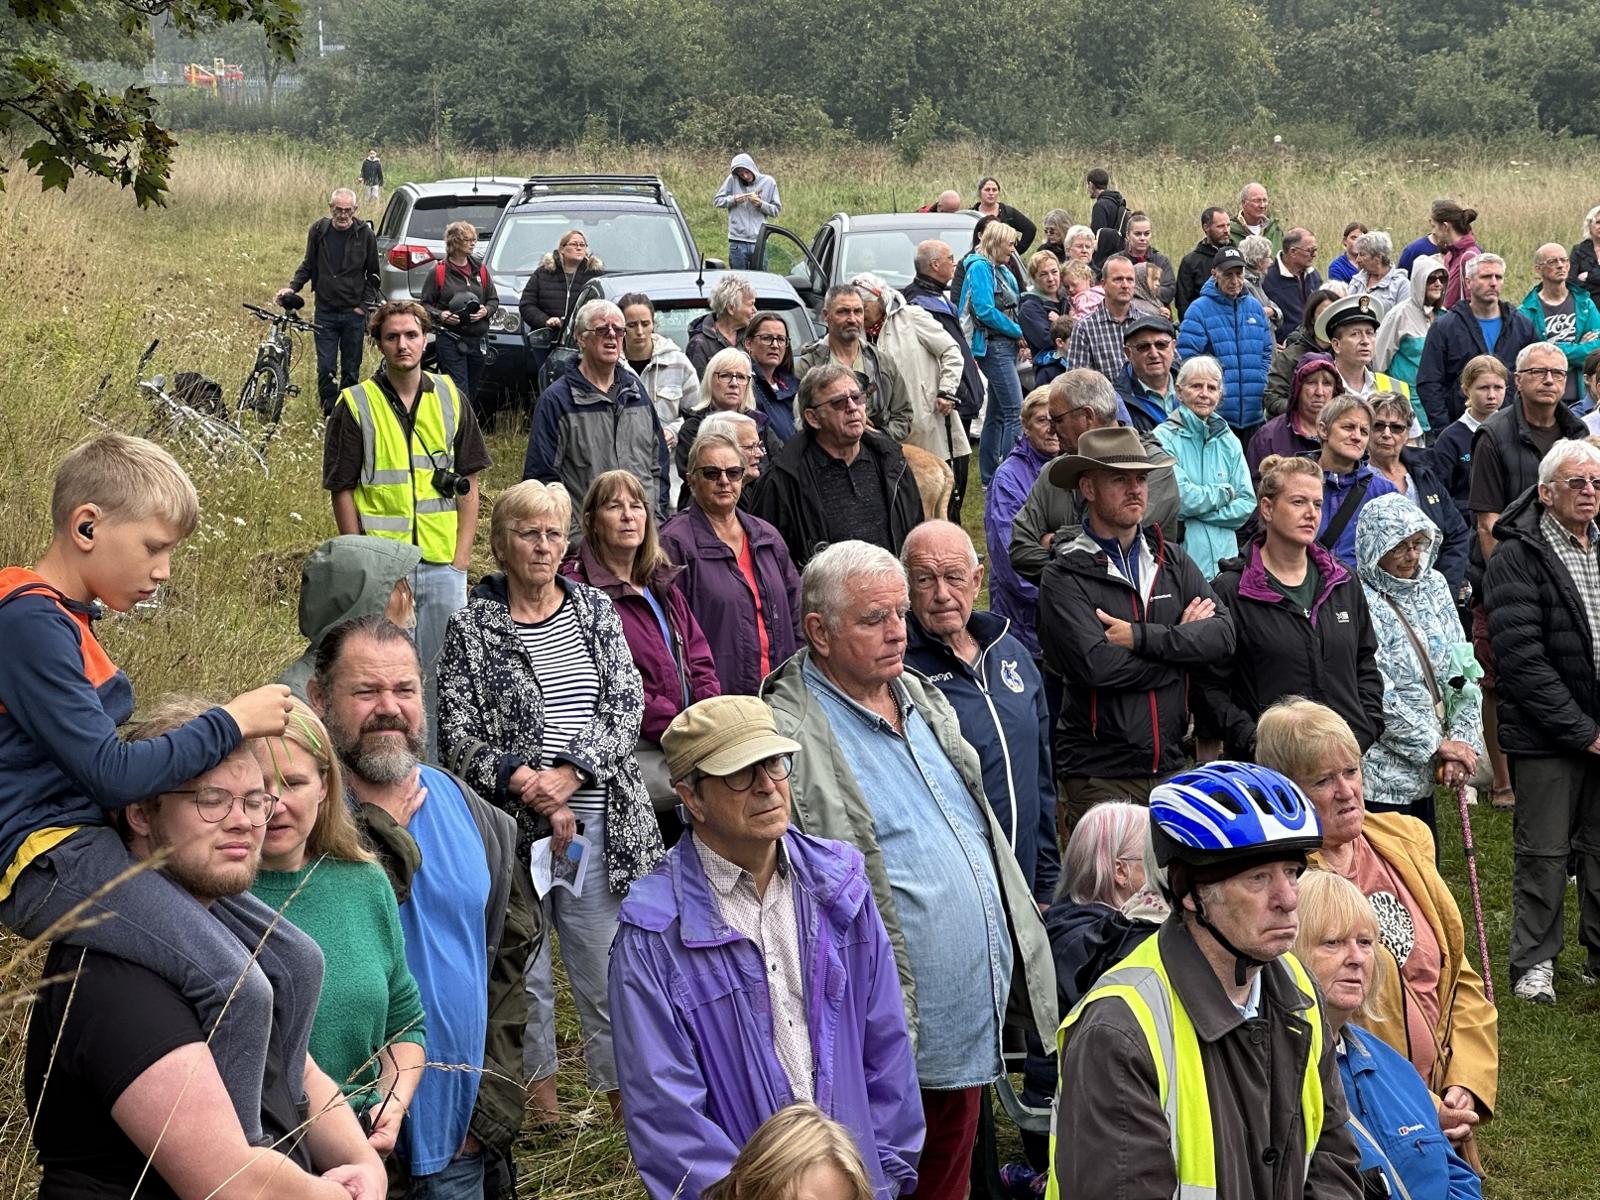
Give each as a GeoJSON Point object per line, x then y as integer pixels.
{"type": "Point", "coordinates": [62, 764]}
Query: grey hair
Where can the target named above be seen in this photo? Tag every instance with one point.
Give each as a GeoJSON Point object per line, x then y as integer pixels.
{"type": "Point", "coordinates": [1058, 219]}
{"type": "Point", "coordinates": [726, 424]}
{"type": "Point", "coordinates": [927, 529]}
{"type": "Point", "coordinates": [333, 197]}
{"type": "Point", "coordinates": [1533, 348]}
{"type": "Point", "coordinates": [825, 582]}
{"type": "Point", "coordinates": [1589, 220]}
{"type": "Point", "coordinates": [1077, 231]}
{"type": "Point", "coordinates": [1565, 451]}
{"type": "Point", "coordinates": [1083, 388]}
{"type": "Point", "coordinates": [1256, 248]}
{"type": "Point", "coordinates": [1294, 237]}
{"type": "Point", "coordinates": [714, 441]}
{"type": "Point", "coordinates": [1201, 364]}
{"type": "Point", "coordinates": [1108, 832]}
{"type": "Point", "coordinates": [1341, 404]}
{"type": "Point", "coordinates": [818, 377]}
{"type": "Point", "coordinates": [1245, 191]}
{"type": "Point", "coordinates": [592, 312]}
{"type": "Point", "coordinates": [838, 290]}
{"type": "Point", "coordinates": [926, 252]}
{"type": "Point", "coordinates": [1470, 271]}
{"type": "Point", "coordinates": [1391, 402]}
{"type": "Point", "coordinates": [1376, 242]}
{"type": "Point", "coordinates": [869, 285]}
{"type": "Point", "coordinates": [727, 291]}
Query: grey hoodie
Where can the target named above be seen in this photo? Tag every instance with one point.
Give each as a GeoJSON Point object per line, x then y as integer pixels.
{"type": "Point", "coordinates": [1410, 318]}
{"type": "Point", "coordinates": [745, 220]}
{"type": "Point", "coordinates": [345, 578]}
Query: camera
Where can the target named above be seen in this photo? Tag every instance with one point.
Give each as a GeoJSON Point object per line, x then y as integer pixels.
{"type": "Point", "coordinates": [450, 483]}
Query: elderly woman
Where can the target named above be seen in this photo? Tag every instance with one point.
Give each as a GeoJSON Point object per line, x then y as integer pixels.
{"type": "Point", "coordinates": [316, 872]}
{"type": "Point", "coordinates": [1392, 1114]}
{"type": "Point", "coordinates": [989, 204]}
{"type": "Point", "coordinates": [1411, 471]}
{"type": "Point", "coordinates": [553, 288]}
{"type": "Point", "coordinates": [621, 555]}
{"type": "Point", "coordinates": [460, 298]}
{"type": "Point", "coordinates": [1295, 431]}
{"type": "Point", "coordinates": [989, 300]}
{"type": "Point", "coordinates": [1215, 495]}
{"type": "Point", "coordinates": [1010, 594]}
{"type": "Point", "coordinates": [733, 307]}
{"type": "Point", "coordinates": [1427, 1001]}
{"type": "Point", "coordinates": [1585, 256]}
{"type": "Point", "coordinates": [737, 576]}
{"type": "Point", "coordinates": [1302, 340]}
{"type": "Point", "coordinates": [1258, 254]}
{"type": "Point", "coordinates": [539, 710]}
{"type": "Point", "coordinates": [1378, 277]}
{"type": "Point", "coordinates": [1431, 730]}
{"type": "Point", "coordinates": [742, 430]}
{"type": "Point", "coordinates": [766, 341]}
{"type": "Point", "coordinates": [727, 385]}
{"type": "Point", "coordinates": [1349, 481]}
{"type": "Point", "coordinates": [1041, 305]}
{"type": "Point", "coordinates": [1080, 246]}
{"type": "Point", "coordinates": [1300, 620]}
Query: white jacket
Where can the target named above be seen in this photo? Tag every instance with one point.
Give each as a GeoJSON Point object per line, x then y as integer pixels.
{"type": "Point", "coordinates": [927, 363]}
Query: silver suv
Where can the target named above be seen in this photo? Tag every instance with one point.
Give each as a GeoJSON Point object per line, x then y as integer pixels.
{"type": "Point", "coordinates": [411, 233]}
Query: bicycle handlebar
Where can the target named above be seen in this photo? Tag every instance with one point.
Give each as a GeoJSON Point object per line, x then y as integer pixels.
{"type": "Point", "coordinates": [280, 318]}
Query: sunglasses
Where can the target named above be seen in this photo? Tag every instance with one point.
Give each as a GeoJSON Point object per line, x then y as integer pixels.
{"type": "Point", "coordinates": [840, 403]}
{"type": "Point", "coordinates": [604, 331]}
{"type": "Point", "coordinates": [1581, 483]}
{"type": "Point", "coordinates": [712, 474]}
{"type": "Point", "coordinates": [1389, 427]}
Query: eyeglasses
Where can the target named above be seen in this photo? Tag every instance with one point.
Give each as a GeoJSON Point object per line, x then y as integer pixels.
{"type": "Point", "coordinates": [1389, 427]}
{"type": "Point", "coordinates": [840, 403]}
{"type": "Point", "coordinates": [753, 450]}
{"type": "Point", "coordinates": [1544, 372]}
{"type": "Point", "coordinates": [730, 376]}
{"type": "Point", "coordinates": [712, 474]}
{"type": "Point", "coordinates": [534, 536]}
{"type": "Point", "coordinates": [341, 211]}
{"type": "Point", "coordinates": [604, 331]}
{"type": "Point", "coordinates": [215, 803]}
{"type": "Point", "coordinates": [776, 768]}
{"type": "Point", "coordinates": [771, 339]}
{"type": "Point", "coordinates": [1162, 344]}
{"type": "Point", "coordinates": [1581, 483]}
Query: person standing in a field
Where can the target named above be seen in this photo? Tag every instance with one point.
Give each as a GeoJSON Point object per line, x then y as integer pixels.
{"type": "Point", "coordinates": [750, 198]}
{"type": "Point", "coordinates": [372, 174]}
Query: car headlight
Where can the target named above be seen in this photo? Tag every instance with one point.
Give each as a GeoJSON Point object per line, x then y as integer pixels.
{"type": "Point", "coordinates": [505, 320]}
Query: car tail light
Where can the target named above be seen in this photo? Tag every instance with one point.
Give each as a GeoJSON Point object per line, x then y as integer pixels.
{"type": "Point", "coordinates": [407, 257]}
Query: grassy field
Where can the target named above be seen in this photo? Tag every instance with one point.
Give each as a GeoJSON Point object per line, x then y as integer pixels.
{"type": "Point", "coordinates": [91, 281]}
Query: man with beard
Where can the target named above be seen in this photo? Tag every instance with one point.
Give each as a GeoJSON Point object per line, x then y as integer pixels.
{"type": "Point", "coordinates": [464, 908]}
{"type": "Point", "coordinates": [119, 1074]}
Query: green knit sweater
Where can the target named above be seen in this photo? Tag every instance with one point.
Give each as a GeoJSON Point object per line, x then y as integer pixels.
{"type": "Point", "coordinates": [369, 998]}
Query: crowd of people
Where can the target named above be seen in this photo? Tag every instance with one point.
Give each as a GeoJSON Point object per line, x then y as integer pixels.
{"type": "Point", "coordinates": [1270, 560]}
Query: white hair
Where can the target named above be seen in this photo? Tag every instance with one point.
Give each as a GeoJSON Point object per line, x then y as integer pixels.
{"type": "Point", "coordinates": [1470, 271]}
{"type": "Point", "coordinates": [1200, 364]}
{"type": "Point", "coordinates": [337, 192]}
{"type": "Point", "coordinates": [1533, 348]}
{"type": "Point", "coordinates": [1589, 219]}
{"type": "Point", "coordinates": [592, 312]}
{"type": "Point", "coordinates": [1077, 231]}
{"type": "Point", "coordinates": [1563, 452]}
{"type": "Point", "coordinates": [1255, 249]}
{"type": "Point", "coordinates": [825, 583]}
{"type": "Point", "coordinates": [1375, 242]}
{"type": "Point", "coordinates": [927, 529]}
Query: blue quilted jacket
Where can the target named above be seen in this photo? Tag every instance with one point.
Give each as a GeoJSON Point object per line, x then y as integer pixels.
{"type": "Point", "coordinates": [1238, 335]}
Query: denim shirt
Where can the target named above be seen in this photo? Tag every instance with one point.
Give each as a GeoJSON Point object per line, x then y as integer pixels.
{"type": "Point", "coordinates": [944, 884]}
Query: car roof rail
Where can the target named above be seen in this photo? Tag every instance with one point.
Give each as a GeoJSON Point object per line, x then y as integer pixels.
{"type": "Point", "coordinates": [590, 183]}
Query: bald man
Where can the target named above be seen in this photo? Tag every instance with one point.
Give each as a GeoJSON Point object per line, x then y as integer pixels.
{"type": "Point", "coordinates": [1561, 315]}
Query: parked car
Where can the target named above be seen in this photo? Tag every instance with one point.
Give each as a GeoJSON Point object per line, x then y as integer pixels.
{"type": "Point", "coordinates": [411, 231]}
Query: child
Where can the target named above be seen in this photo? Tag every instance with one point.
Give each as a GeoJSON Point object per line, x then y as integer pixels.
{"type": "Point", "coordinates": [799, 1152]}
{"type": "Point", "coordinates": [1054, 362]}
{"type": "Point", "coordinates": [120, 507]}
{"type": "Point", "coordinates": [1077, 280]}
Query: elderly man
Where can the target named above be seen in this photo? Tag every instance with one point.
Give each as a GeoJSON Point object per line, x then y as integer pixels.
{"type": "Point", "coordinates": [1230, 325]}
{"type": "Point", "coordinates": [1097, 339]}
{"type": "Point", "coordinates": [935, 266]}
{"type": "Point", "coordinates": [733, 303]}
{"type": "Point", "coordinates": [1253, 218]}
{"type": "Point", "coordinates": [782, 929]}
{"type": "Point", "coordinates": [837, 480]}
{"type": "Point", "coordinates": [1079, 401]}
{"type": "Point", "coordinates": [1146, 385]}
{"type": "Point", "coordinates": [1561, 315]}
{"type": "Point", "coordinates": [844, 313]}
{"type": "Point", "coordinates": [118, 1075]}
{"type": "Point", "coordinates": [1480, 324]}
{"type": "Point", "coordinates": [1292, 277]}
{"type": "Point", "coordinates": [991, 681]}
{"type": "Point", "coordinates": [466, 910]}
{"type": "Point", "coordinates": [341, 265]}
{"type": "Point", "coordinates": [1195, 270]}
{"type": "Point", "coordinates": [884, 766]}
{"type": "Point", "coordinates": [1543, 587]}
{"type": "Point", "coordinates": [1154, 280]}
{"type": "Point", "coordinates": [597, 417]}
{"type": "Point", "coordinates": [949, 201]}
{"type": "Point", "coordinates": [923, 367]}
{"type": "Point", "coordinates": [1124, 618]}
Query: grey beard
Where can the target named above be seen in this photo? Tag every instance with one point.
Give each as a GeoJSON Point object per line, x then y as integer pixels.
{"type": "Point", "coordinates": [390, 765]}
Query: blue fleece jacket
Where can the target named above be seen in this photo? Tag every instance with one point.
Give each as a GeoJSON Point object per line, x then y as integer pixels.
{"type": "Point", "coordinates": [61, 700]}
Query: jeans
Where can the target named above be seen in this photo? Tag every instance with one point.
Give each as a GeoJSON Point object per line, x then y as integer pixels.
{"type": "Point", "coordinates": [462, 360]}
{"type": "Point", "coordinates": [1557, 816]}
{"type": "Point", "coordinates": [206, 955]}
{"type": "Point", "coordinates": [338, 339]}
{"type": "Point", "coordinates": [1002, 421]}
{"type": "Point", "coordinates": [742, 256]}
{"type": "Point", "coordinates": [462, 1179]}
{"type": "Point", "coordinates": [439, 590]}
{"type": "Point", "coordinates": [586, 925]}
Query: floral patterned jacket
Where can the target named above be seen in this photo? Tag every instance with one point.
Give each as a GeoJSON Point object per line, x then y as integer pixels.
{"type": "Point", "coordinates": [491, 721]}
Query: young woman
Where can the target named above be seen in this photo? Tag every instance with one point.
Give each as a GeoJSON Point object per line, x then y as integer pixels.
{"type": "Point", "coordinates": [989, 305]}
{"type": "Point", "coordinates": [989, 204]}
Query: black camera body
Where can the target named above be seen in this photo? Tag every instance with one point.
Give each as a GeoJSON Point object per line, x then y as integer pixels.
{"type": "Point", "coordinates": [451, 483]}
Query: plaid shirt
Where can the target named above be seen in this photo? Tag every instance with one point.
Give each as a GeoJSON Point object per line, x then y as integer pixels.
{"type": "Point", "coordinates": [1097, 342]}
{"type": "Point", "coordinates": [1583, 565]}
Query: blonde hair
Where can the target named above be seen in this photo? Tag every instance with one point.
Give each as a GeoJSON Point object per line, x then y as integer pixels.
{"type": "Point", "coordinates": [1033, 402]}
{"type": "Point", "coordinates": [1331, 907]}
{"type": "Point", "coordinates": [727, 359]}
{"type": "Point", "coordinates": [1296, 736]}
{"type": "Point", "coordinates": [1483, 364]}
{"type": "Point", "coordinates": [457, 234]}
{"type": "Point", "coordinates": [1039, 261]}
{"type": "Point", "coordinates": [789, 1143]}
{"type": "Point", "coordinates": [1076, 271]}
{"type": "Point", "coordinates": [1278, 469]}
{"type": "Point", "coordinates": [334, 833]}
{"type": "Point", "coordinates": [706, 442]}
{"type": "Point", "coordinates": [128, 479]}
{"type": "Point", "coordinates": [168, 714]}
{"type": "Point", "coordinates": [997, 241]}
{"type": "Point", "coordinates": [649, 558]}
{"type": "Point", "coordinates": [526, 501]}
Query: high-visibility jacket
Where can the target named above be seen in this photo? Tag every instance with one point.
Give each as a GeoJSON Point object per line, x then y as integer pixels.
{"type": "Point", "coordinates": [1141, 981]}
{"type": "Point", "coordinates": [395, 496]}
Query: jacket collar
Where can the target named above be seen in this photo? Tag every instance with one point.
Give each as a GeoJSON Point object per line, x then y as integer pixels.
{"type": "Point", "coordinates": [1253, 582]}
{"type": "Point", "coordinates": [827, 873]}
{"type": "Point", "coordinates": [1198, 988]}
{"type": "Point", "coordinates": [708, 544]}
{"type": "Point", "coordinates": [986, 628]}
{"type": "Point", "coordinates": [597, 575]}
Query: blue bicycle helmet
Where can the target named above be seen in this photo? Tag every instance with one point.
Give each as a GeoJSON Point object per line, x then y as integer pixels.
{"type": "Point", "coordinates": [1227, 811]}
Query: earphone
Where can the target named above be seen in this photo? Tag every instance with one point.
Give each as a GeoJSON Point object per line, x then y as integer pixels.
{"type": "Point", "coordinates": [86, 529]}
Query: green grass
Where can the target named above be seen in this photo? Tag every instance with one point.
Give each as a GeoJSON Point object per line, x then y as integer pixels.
{"type": "Point", "coordinates": [90, 281]}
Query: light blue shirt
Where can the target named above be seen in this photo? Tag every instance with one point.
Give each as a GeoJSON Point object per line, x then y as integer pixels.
{"type": "Point", "coordinates": [940, 864]}
{"type": "Point", "coordinates": [447, 953]}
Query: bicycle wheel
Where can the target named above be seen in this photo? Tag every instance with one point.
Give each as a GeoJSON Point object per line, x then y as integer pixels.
{"type": "Point", "coordinates": [262, 395]}
{"type": "Point", "coordinates": [220, 444]}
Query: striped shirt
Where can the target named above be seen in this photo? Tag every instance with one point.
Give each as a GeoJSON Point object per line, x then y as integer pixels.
{"type": "Point", "coordinates": [568, 684]}
{"type": "Point", "coordinates": [1582, 565]}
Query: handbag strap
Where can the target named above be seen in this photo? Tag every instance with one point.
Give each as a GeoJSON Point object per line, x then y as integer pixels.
{"type": "Point", "coordinates": [1347, 513]}
{"type": "Point", "coordinates": [1421, 652]}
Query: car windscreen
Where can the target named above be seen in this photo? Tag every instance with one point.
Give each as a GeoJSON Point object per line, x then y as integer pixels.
{"type": "Point", "coordinates": [431, 215]}
{"type": "Point", "coordinates": [673, 319]}
{"type": "Point", "coordinates": [623, 241]}
{"type": "Point", "coordinates": [888, 252]}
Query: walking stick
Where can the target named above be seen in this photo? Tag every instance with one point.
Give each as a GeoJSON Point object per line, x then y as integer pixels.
{"type": "Point", "coordinates": [1477, 896]}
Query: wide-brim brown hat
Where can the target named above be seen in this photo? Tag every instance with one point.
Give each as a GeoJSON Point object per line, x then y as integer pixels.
{"type": "Point", "coordinates": [1115, 449]}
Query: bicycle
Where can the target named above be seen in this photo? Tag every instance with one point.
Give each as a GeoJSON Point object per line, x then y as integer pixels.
{"type": "Point", "coordinates": [268, 384]}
